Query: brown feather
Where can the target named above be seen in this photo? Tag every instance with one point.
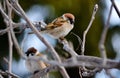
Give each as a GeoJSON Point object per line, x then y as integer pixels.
{"type": "Point", "coordinates": [56, 23]}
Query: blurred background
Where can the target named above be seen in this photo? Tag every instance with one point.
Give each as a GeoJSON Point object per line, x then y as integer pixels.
{"type": "Point", "coordinates": [48, 10]}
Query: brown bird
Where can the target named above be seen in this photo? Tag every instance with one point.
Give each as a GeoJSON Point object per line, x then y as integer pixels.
{"type": "Point", "coordinates": [34, 66]}
{"type": "Point", "coordinates": [60, 27]}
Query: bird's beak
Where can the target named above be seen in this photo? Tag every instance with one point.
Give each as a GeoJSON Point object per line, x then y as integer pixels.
{"type": "Point", "coordinates": [26, 53]}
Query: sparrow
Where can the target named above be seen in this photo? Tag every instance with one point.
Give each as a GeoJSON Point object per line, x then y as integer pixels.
{"type": "Point", "coordinates": [34, 66]}
{"type": "Point", "coordinates": [60, 27]}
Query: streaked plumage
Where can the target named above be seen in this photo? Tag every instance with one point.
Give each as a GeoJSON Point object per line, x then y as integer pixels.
{"type": "Point", "coordinates": [61, 26]}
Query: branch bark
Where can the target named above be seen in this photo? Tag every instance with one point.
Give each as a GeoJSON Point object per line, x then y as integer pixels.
{"type": "Point", "coordinates": [87, 29]}
{"type": "Point", "coordinates": [103, 38]}
{"type": "Point", "coordinates": [6, 73]}
{"type": "Point", "coordinates": [116, 8]}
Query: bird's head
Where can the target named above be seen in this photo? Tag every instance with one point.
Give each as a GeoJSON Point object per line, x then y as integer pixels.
{"type": "Point", "coordinates": [69, 17]}
{"type": "Point", "coordinates": [31, 52]}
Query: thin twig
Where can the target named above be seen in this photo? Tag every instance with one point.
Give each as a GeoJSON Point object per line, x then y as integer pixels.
{"type": "Point", "coordinates": [89, 61]}
{"type": "Point", "coordinates": [10, 52]}
{"type": "Point", "coordinates": [22, 26]}
{"type": "Point", "coordinates": [6, 19]}
{"type": "Point", "coordinates": [79, 40]}
{"type": "Point", "coordinates": [69, 50]}
{"type": "Point", "coordinates": [6, 60]}
{"type": "Point", "coordinates": [3, 13]}
{"type": "Point", "coordinates": [54, 53]}
{"type": "Point", "coordinates": [15, 10]}
{"type": "Point", "coordinates": [3, 31]}
{"type": "Point", "coordinates": [103, 38]}
{"type": "Point", "coordinates": [86, 31]}
{"type": "Point", "coordinates": [4, 5]}
{"type": "Point", "coordinates": [116, 8]}
{"type": "Point", "coordinates": [1, 76]}
{"type": "Point", "coordinates": [10, 40]}
{"type": "Point", "coordinates": [8, 73]}
{"type": "Point", "coordinates": [21, 53]}
{"type": "Point", "coordinates": [12, 74]}
{"type": "Point", "coordinates": [80, 73]}
{"type": "Point", "coordinates": [44, 72]}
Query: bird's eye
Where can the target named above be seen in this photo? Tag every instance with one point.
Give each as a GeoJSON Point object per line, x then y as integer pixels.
{"type": "Point", "coordinates": [32, 54]}
{"type": "Point", "coordinates": [71, 21]}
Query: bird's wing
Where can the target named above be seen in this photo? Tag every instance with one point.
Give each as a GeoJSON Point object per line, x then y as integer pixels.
{"type": "Point", "coordinates": [56, 23]}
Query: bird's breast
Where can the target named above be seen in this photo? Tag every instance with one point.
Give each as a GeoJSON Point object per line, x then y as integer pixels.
{"type": "Point", "coordinates": [60, 31]}
{"type": "Point", "coordinates": [33, 65]}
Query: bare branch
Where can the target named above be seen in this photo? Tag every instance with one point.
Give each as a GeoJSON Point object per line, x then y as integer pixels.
{"type": "Point", "coordinates": [8, 73]}
{"type": "Point", "coordinates": [89, 61]}
{"type": "Point", "coordinates": [44, 72]}
{"type": "Point", "coordinates": [6, 19]}
{"type": "Point", "coordinates": [80, 73]}
{"type": "Point", "coordinates": [103, 37]}
{"type": "Point", "coordinates": [3, 31]}
{"type": "Point", "coordinates": [79, 40]}
{"type": "Point", "coordinates": [116, 8]}
{"type": "Point", "coordinates": [5, 16]}
{"type": "Point", "coordinates": [1, 76]}
{"type": "Point", "coordinates": [6, 60]}
{"type": "Point", "coordinates": [10, 40]}
{"type": "Point", "coordinates": [86, 31]}
{"type": "Point", "coordinates": [4, 5]}
{"type": "Point", "coordinates": [69, 49]}
{"type": "Point", "coordinates": [22, 26]}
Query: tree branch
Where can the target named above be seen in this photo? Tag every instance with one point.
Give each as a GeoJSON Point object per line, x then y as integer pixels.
{"type": "Point", "coordinates": [8, 73]}
{"type": "Point", "coordinates": [116, 8]}
{"type": "Point", "coordinates": [89, 61]}
{"type": "Point", "coordinates": [103, 38]}
{"type": "Point", "coordinates": [43, 72]}
{"type": "Point", "coordinates": [22, 26]}
{"type": "Point", "coordinates": [10, 39]}
{"type": "Point", "coordinates": [6, 19]}
{"type": "Point", "coordinates": [87, 29]}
